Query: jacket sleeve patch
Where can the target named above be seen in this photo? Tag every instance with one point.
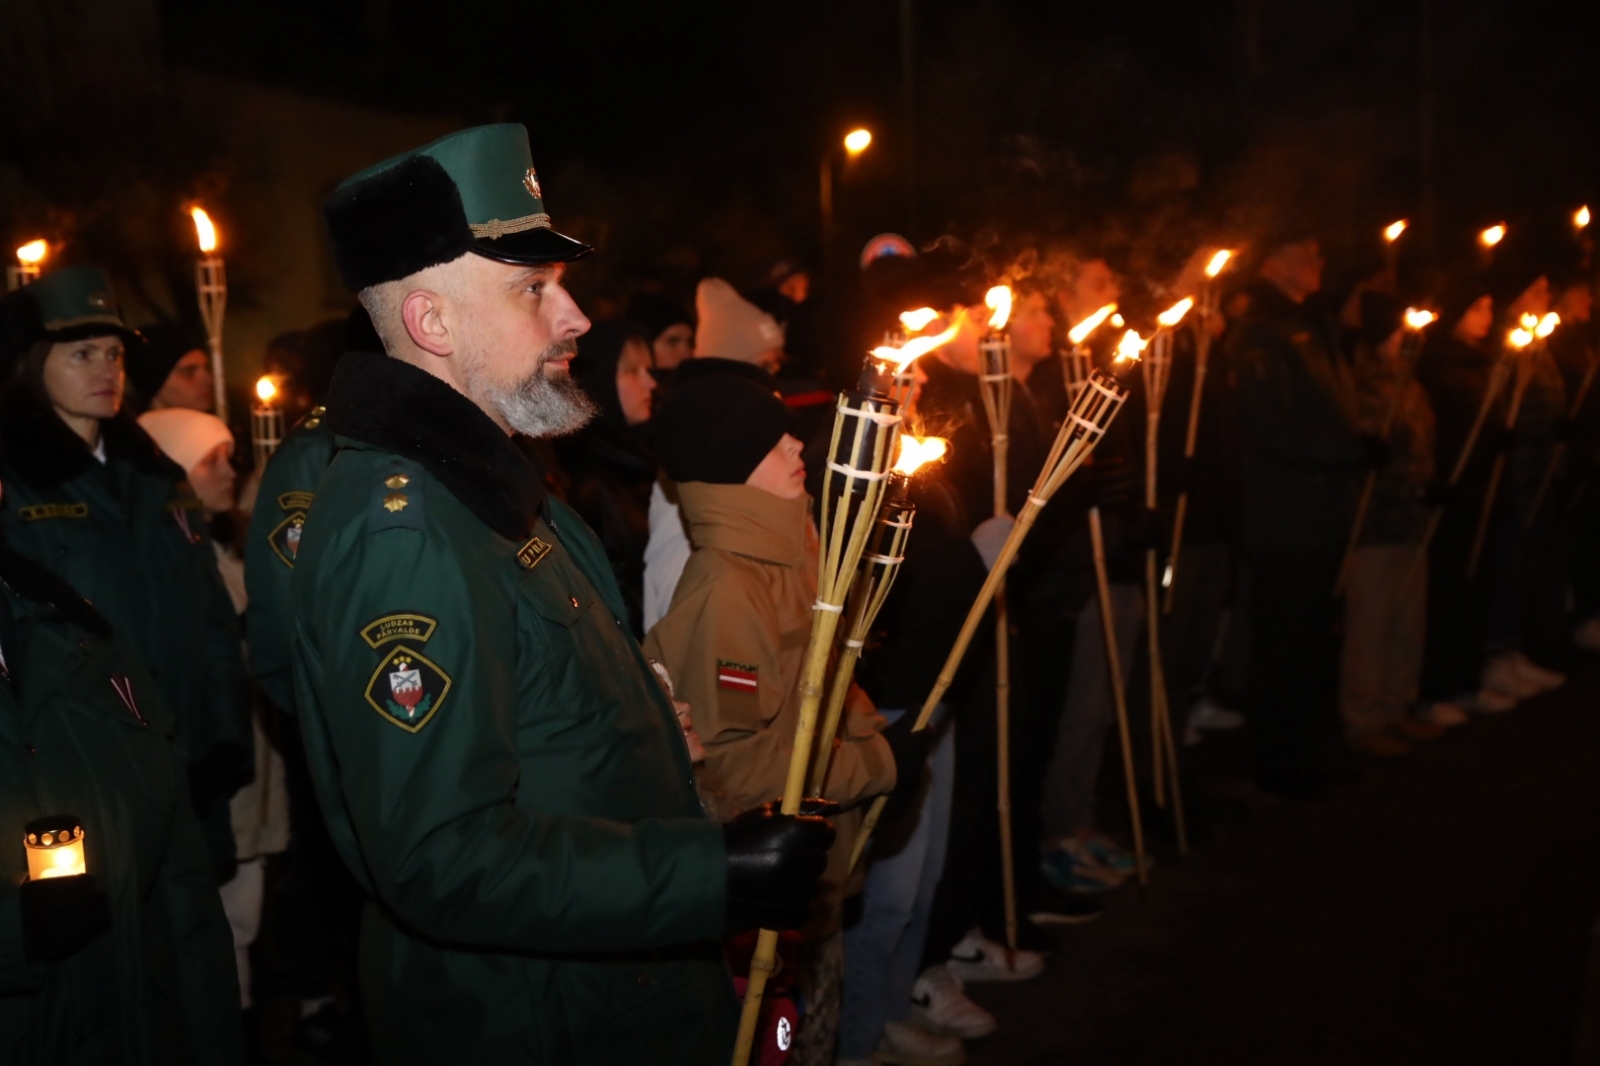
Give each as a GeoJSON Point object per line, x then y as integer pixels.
{"type": "Point", "coordinates": [403, 626]}
{"type": "Point", "coordinates": [294, 501]}
{"type": "Point", "coordinates": [285, 538]}
{"type": "Point", "coordinates": [407, 688]}
{"type": "Point", "coordinates": [737, 677]}
{"type": "Point", "coordinates": [41, 511]}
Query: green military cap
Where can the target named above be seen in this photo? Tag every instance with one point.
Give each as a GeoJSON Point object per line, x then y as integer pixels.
{"type": "Point", "coordinates": [473, 191]}
{"type": "Point", "coordinates": [63, 305]}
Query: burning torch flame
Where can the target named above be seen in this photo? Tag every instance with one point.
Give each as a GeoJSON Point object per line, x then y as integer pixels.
{"type": "Point", "coordinates": [1419, 320]}
{"type": "Point", "coordinates": [1174, 314]}
{"type": "Point", "coordinates": [915, 452]}
{"type": "Point", "coordinates": [857, 141]}
{"type": "Point", "coordinates": [1392, 231]}
{"type": "Point", "coordinates": [1520, 338]}
{"type": "Point", "coordinates": [998, 300]}
{"type": "Point", "coordinates": [1129, 347]}
{"type": "Point", "coordinates": [1117, 321]}
{"type": "Point", "coordinates": [1528, 321]}
{"type": "Point", "coordinates": [33, 252]}
{"type": "Point", "coordinates": [1580, 217]}
{"type": "Point", "coordinates": [1493, 235]}
{"type": "Point", "coordinates": [1079, 333]}
{"type": "Point", "coordinates": [1218, 261]}
{"type": "Point", "coordinates": [266, 390]}
{"type": "Point", "coordinates": [918, 320]}
{"type": "Point", "coordinates": [203, 229]}
{"type": "Point", "coordinates": [1547, 325]}
{"type": "Point", "coordinates": [917, 346]}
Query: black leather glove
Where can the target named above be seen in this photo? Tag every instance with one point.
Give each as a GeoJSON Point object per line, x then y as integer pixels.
{"type": "Point", "coordinates": [774, 863]}
{"type": "Point", "coordinates": [60, 915]}
{"type": "Point", "coordinates": [910, 756]}
{"type": "Point", "coordinates": [1440, 494]}
{"type": "Point", "coordinates": [1375, 452]}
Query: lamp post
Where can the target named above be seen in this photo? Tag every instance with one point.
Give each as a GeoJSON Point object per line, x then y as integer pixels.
{"type": "Point", "coordinates": [855, 142]}
{"type": "Point", "coordinates": [30, 264]}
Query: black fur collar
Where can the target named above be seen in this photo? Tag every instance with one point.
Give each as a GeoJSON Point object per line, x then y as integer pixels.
{"type": "Point", "coordinates": [395, 406]}
{"type": "Point", "coordinates": [44, 452]}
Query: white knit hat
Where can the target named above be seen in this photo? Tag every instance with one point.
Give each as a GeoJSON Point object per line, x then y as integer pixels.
{"type": "Point", "coordinates": [732, 327]}
{"type": "Point", "coordinates": [185, 436]}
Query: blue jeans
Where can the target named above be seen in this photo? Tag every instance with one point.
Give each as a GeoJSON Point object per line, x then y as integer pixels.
{"type": "Point", "coordinates": [884, 948]}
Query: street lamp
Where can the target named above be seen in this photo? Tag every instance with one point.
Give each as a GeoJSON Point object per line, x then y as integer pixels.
{"type": "Point", "coordinates": [855, 142]}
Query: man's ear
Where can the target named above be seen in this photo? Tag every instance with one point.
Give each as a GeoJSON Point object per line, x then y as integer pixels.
{"type": "Point", "coordinates": [421, 313]}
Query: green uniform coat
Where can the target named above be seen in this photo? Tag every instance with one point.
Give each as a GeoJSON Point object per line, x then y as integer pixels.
{"type": "Point", "coordinates": [158, 988]}
{"type": "Point", "coordinates": [128, 535]}
{"type": "Point", "coordinates": [497, 764]}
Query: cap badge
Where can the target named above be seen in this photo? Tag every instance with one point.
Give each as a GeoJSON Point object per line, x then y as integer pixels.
{"type": "Point", "coordinates": [99, 301]}
{"type": "Point", "coordinates": [530, 181]}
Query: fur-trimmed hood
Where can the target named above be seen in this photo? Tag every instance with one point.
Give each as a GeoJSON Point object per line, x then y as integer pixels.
{"type": "Point", "coordinates": [44, 452]}
{"type": "Point", "coordinates": [395, 406]}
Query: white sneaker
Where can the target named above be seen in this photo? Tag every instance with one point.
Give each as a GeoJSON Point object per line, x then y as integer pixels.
{"type": "Point", "coordinates": [1208, 714]}
{"type": "Point", "coordinates": [977, 958]}
{"type": "Point", "coordinates": [1535, 674]}
{"type": "Point", "coordinates": [939, 1004]}
{"type": "Point", "coordinates": [903, 1044]}
{"type": "Point", "coordinates": [1443, 714]}
{"type": "Point", "coordinates": [1501, 675]}
{"type": "Point", "coordinates": [1587, 635]}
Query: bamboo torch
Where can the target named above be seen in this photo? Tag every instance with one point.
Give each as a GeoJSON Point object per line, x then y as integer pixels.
{"type": "Point", "coordinates": [1391, 247]}
{"type": "Point", "coordinates": [211, 287]}
{"type": "Point", "coordinates": [1532, 329]}
{"type": "Point", "coordinates": [994, 351]}
{"type": "Point", "coordinates": [1210, 298]}
{"type": "Point", "coordinates": [865, 425]}
{"type": "Point", "coordinates": [1415, 322]}
{"type": "Point", "coordinates": [266, 422]}
{"type": "Point", "coordinates": [1091, 413]}
{"type": "Point", "coordinates": [30, 264]}
{"type": "Point", "coordinates": [1157, 368]}
{"type": "Point", "coordinates": [1118, 692]}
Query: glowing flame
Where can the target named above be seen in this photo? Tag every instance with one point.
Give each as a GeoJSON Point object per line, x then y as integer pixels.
{"type": "Point", "coordinates": [266, 390]}
{"type": "Point", "coordinates": [1418, 320]}
{"type": "Point", "coordinates": [1218, 261]}
{"type": "Point", "coordinates": [1580, 217]}
{"type": "Point", "coordinates": [1129, 347]}
{"type": "Point", "coordinates": [918, 320]}
{"type": "Point", "coordinates": [1174, 314]}
{"type": "Point", "coordinates": [1547, 325]}
{"type": "Point", "coordinates": [1493, 235]}
{"type": "Point", "coordinates": [1519, 338]}
{"type": "Point", "coordinates": [1528, 321]}
{"type": "Point", "coordinates": [857, 141]}
{"type": "Point", "coordinates": [1392, 231]}
{"type": "Point", "coordinates": [33, 252]}
{"type": "Point", "coordinates": [1118, 321]}
{"type": "Point", "coordinates": [203, 229]}
{"type": "Point", "coordinates": [1079, 333]}
{"type": "Point", "coordinates": [914, 348]}
{"type": "Point", "coordinates": [998, 300]}
{"type": "Point", "coordinates": [918, 451]}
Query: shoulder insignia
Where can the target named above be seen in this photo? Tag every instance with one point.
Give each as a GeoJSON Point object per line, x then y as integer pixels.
{"type": "Point", "coordinates": [404, 626]}
{"type": "Point", "coordinates": [296, 500]}
{"type": "Point", "coordinates": [740, 677]}
{"type": "Point", "coordinates": [285, 538]}
{"type": "Point", "coordinates": [185, 503]}
{"type": "Point", "coordinates": [40, 511]}
{"type": "Point", "coordinates": [407, 688]}
{"type": "Point", "coordinates": [397, 498]}
{"type": "Point", "coordinates": [532, 553]}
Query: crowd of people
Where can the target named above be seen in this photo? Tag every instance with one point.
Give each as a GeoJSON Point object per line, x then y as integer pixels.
{"type": "Point", "coordinates": [497, 657]}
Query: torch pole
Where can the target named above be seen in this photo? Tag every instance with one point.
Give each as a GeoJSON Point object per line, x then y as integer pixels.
{"type": "Point", "coordinates": [1202, 355]}
{"type": "Point", "coordinates": [211, 287]}
{"type": "Point", "coordinates": [1118, 694]}
{"type": "Point", "coordinates": [1559, 452]}
{"type": "Point", "coordinates": [1097, 404]}
{"type": "Point", "coordinates": [864, 428]}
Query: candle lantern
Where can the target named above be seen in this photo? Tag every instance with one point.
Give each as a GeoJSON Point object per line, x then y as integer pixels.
{"type": "Point", "coordinates": [55, 847]}
{"type": "Point", "coordinates": [30, 264]}
{"type": "Point", "coordinates": [266, 421]}
{"type": "Point", "coordinates": [211, 288]}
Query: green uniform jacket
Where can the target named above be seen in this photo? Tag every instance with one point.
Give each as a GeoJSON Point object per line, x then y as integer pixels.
{"type": "Point", "coordinates": [130, 538]}
{"type": "Point", "coordinates": [496, 762]}
{"type": "Point", "coordinates": [282, 504]}
{"type": "Point", "coordinates": [159, 986]}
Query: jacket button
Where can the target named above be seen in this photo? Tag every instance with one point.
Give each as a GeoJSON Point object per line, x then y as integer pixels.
{"type": "Point", "coordinates": [574, 600]}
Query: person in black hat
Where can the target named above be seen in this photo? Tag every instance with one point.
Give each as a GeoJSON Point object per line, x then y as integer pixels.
{"type": "Point", "coordinates": [498, 765]}
{"type": "Point", "coordinates": [668, 326]}
{"type": "Point", "coordinates": [89, 491]}
{"type": "Point", "coordinates": [1300, 460]}
{"type": "Point", "coordinates": [172, 369]}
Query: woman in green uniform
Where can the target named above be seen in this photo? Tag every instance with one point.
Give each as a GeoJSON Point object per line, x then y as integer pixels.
{"type": "Point", "coordinates": [131, 963]}
{"type": "Point", "coordinates": [90, 496]}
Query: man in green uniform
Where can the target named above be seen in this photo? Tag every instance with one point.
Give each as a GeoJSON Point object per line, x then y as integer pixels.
{"type": "Point", "coordinates": [498, 764]}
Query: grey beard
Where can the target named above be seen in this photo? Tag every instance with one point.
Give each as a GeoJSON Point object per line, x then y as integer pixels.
{"type": "Point", "coordinates": [539, 406]}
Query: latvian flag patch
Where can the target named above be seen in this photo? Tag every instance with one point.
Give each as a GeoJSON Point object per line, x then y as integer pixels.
{"type": "Point", "coordinates": [740, 677]}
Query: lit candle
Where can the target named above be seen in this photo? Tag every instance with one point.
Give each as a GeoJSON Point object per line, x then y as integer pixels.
{"type": "Point", "coordinates": [211, 288]}
{"type": "Point", "coordinates": [55, 847]}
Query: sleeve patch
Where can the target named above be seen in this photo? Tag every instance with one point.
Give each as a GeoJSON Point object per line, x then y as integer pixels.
{"type": "Point", "coordinates": [285, 538]}
{"type": "Point", "coordinates": [295, 501]}
{"type": "Point", "coordinates": [739, 677]}
{"type": "Point", "coordinates": [40, 511]}
{"type": "Point", "coordinates": [417, 627]}
{"type": "Point", "coordinates": [407, 688]}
